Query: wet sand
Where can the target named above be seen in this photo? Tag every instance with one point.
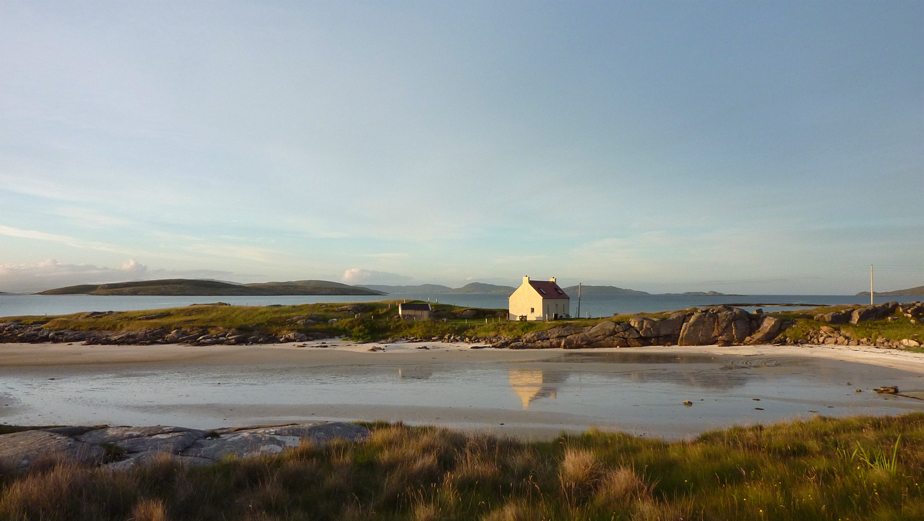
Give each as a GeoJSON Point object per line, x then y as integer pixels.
{"type": "Point", "coordinates": [526, 393]}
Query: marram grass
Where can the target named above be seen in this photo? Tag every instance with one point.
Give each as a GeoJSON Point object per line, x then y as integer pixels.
{"type": "Point", "coordinates": [823, 469]}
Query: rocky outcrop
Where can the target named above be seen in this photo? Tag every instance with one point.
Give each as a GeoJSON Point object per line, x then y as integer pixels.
{"type": "Point", "coordinates": [828, 335]}
{"type": "Point", "coordinates": [863, 313]}
{"type": "Point", "coordinates": [20, 450]}
{"type": "Point", "coordinates": [721, 325]}
{"type": "Point", "coordinates": [126, 447]}
{"type": "Point", "coordinates": [914, 311]}
{"type": "Point", "coordinates": [869, 313]}
{"type": "Point", "coordinates": [36, 334]}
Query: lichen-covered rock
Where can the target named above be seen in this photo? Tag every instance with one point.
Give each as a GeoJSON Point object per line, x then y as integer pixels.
{"type": "Point", "coordinates": [21, 449]}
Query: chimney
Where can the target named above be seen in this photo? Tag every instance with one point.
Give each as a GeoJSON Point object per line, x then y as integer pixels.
{"type": "Point", "coordinates": [525, 279]}
{"type": "Point", "coordinates": [552, 279]}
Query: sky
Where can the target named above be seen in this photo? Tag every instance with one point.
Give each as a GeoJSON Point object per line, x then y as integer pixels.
{"type": "Point", "coordinates": [764, 147]}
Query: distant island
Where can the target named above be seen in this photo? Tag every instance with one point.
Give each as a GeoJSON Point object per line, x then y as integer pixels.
{"type": "Point", "coordinates": [474, 288]}
{"type": "Point", "coordinates": [481, 288]}
{"type": "Point", "coordinates": [709, 294]}
{"type": "Point", "coordinates": [190, 287]}
{"type": "Point", "coordinates": [588, 290]}
{"type": "Point", "coordinates": [910, 292]}
{"type": "Point", "coordinates": [420, 289]}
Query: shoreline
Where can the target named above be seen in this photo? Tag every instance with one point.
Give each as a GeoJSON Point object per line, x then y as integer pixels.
{"type": "Point", "coordinates": [337, 352]}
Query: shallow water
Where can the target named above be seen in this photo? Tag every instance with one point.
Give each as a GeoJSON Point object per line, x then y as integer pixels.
{"type": "Point", "coordinates": [640, 393]}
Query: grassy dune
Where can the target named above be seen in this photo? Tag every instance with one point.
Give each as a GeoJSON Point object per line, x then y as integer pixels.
{"type": "Point", "coordinates": [822, 469]}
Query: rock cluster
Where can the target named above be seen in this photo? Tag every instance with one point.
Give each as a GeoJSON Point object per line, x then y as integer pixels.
{"type": "Point", "coordinates": [832, 336]}
{"type": "Point", "coordinates": [721, 325]}
{"type": "Point", "coordinates": [34, 334]}
{"type": "Point", "coordinates": [126, 447]}
{"type": "Point", "coordinates": [913, 310]}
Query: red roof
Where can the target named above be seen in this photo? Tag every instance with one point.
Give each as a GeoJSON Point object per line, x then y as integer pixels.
{"type": "Point", "coordinates": [548, 289]}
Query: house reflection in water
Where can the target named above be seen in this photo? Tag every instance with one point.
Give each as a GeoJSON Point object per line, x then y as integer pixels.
{"type": "Point", "coordinates": [531, 385]}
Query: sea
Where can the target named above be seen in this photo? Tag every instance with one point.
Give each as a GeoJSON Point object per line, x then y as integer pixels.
{"type": "Point", "coordinates": [588, 306]}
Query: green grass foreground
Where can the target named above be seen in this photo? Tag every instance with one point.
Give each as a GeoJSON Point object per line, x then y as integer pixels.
{"type": "Point", "coordinates": [823, 469]}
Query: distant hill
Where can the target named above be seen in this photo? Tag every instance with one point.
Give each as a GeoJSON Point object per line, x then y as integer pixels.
{"type": "Point", "coordinates": [188, 287]}
{"type": "Point", "coordinates": [588, 290]}
{"type": "Point", "coordinates": [482, 288]}
{"type": "Point", "coordinates": [423, 289]}
{"type": "Point", "coordinates": [709, 294]}
{"type": "Point", "coordinates": [910, 292]}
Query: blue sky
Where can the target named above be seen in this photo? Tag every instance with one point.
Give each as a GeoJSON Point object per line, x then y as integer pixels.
{"type": "Point", "coordinates": [760, 147]}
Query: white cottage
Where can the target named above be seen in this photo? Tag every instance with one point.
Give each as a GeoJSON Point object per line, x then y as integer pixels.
{"type": "Point", "coordinates": [539, 300]}
{"type": "Point", "coordinates": [415, 311]}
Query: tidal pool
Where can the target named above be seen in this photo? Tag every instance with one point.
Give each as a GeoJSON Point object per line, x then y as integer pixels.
{"type": "Point", "coordinates": [635, 392]}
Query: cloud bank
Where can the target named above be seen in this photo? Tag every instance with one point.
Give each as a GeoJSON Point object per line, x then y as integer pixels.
{"type": "Point", "coordinates": [363, 276]}
{"type": "Point", "coordinates": [49, 274]}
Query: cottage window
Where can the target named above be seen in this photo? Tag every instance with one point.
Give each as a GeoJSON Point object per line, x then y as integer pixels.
{"type": "Point", "coordinates": [532, 310]}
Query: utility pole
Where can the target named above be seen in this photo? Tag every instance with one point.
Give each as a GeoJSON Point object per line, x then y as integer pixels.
{"type": "Point", "coordinates": [870, 284]}
{"type": "Point", "coordinates": [579, 300]}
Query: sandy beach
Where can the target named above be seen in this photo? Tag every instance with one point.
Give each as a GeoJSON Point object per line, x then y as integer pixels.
{"type": "Point", "coordinates": [525, 393]}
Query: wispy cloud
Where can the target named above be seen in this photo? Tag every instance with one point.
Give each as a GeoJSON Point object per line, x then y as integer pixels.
{"type": "Point", "coordinates": [91, 218]}
{"type": "Point", "coordinates": [68, 240]}
{"type": "Point", "coordinates": [364, 276]}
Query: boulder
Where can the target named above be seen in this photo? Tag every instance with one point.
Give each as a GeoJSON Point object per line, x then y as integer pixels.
{"type": "Point", "coordinates": [613, 341]}
{"type": "Point", "coordinates": [647, 327]}
{"type": "Point", "coordinates": [293, 337]}
{"type": "Point", "coordinates": [715, 324]}
{"type": "Point", "coordinates": [562, 332]}
{"type": "Point", "coordinates": [626, 331]}
{"type": "Point", "coordinates": [835, 317]}
{"type": "Point", "coordinates": [699, 330]}
{"type": "Point", "coordinates": [770, 328]}
{"type": "Point", "coordinates": [602, 330]}
{"type": "Point", "coordinates": [671, 326]}
{"type": "Point", "coordinates": [536, 336]}
{"type": "Point", "coordinates": [576, 341]}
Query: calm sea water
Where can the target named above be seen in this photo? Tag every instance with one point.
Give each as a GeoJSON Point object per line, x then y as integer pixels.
{"type": "Point", "coordinates": [594, 306]}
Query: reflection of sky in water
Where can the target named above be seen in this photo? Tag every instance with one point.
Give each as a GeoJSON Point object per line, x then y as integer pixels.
{"type": "Point", "coordinates": [639, 393]}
